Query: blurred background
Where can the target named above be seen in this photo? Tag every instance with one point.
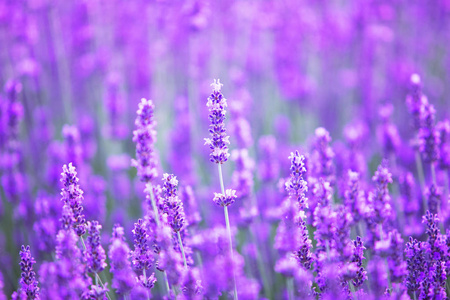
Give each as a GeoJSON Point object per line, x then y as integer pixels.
{"type": "Point", "coordinates": [75, 71]}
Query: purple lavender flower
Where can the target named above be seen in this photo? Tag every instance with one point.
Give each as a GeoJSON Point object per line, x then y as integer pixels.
{"type": "Point", "coordinates": [123, 276]}
{"type": "Point", "coordinates": [173, 206]}
{"type": "Point", "coordinates": [141, 257]}
{"type": "Point", "coordinates": [380, 198]}
{"type": "Point", "coordinates": [191, 285]}
{"type": "Point", "coordinates": [438, 250]}
{"type": "Point", "coordinates": [353, 195]}
{"type": "Point", "coordinates": [66, 277]}
{"type": "Point", "coordinates": [225, 200]}
{"type": "Point", "coordinates": [358, 256]}
{"type": "Point", "coordinates": [416, 263]}
{"type": "Point", "coordinates": [145, 137]}
{"type": "Point", "coordinates": [95, 254]}
{"type": "Point", "coordinates": [219, 138]}
{"type": "Point", "coordinates": [296, 186]}
{"type": "Point", "coordinates": [303, 253]}
{"type": "Point", "coordinates": [28, 282]}
{"type": "Point", "coordinates": [72, 195]}
{"type": "Point", "coordinates": [429, 140]}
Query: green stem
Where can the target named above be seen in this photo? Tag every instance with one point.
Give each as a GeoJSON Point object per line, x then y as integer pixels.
{"type": "Point", "coordinates": [166, 281]}
{"type": "Point", "coordinates": [227, 221]}
{"type": "Point", "coordinates": [152, 198]}
{"type": "Point", "coordinates": [145, 281]}
{"type": "Point", "coordinates": [290, 288]}
{"type": "Point", "coordinates": [182, 249]}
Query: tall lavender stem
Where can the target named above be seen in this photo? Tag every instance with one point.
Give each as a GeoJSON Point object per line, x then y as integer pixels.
{"type": "Point", "coordinates": [219, 154]}
{"type": "Point", "coordinates": [182, 249]}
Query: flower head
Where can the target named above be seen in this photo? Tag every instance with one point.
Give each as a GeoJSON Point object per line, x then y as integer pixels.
{"type": "Point", "coordinates": [95, 254]}
{"type": "Point", "coordinates": [28, 282]}
{"type": "Point", "coordinates": [225, 200]}
{"type": "Point", "coordinates": [219, 139]}
{"type": "Point", "coordinates": [72, 195]}
{"type": "Point", "coordinates": [173, 206]}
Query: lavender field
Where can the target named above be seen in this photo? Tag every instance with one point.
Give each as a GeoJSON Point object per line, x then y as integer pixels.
{"type": "Point", "coordinates": [205, 149]}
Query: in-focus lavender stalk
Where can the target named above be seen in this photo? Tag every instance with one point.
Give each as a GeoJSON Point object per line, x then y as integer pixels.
{"type": "Point", "coordinates": [173, 207]}
{"type": "Point", "coordinates": [142, 256]}
{"type": "Point", "coordinates": [297, 187]}
{"type": "Point", "coordinates": [28, 281]}
{"type": "Point", "coordinates": [219, 154]}
{"type": "Point", "coordinates": [72, 195]}
{"type": "Point", "coordinates": [95, 255]}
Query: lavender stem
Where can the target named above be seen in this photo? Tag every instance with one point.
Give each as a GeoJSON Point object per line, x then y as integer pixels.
{"type": "Point", "coordinates": [145, 281]}
{"type": "Point", "coordinates": [227, 221]}
{"type": "Point", "coordinates": [155, 209]}
{"type": "Point", "coordinates": [290, 288]}
{"type": "Point", "coordinates": [182, 249]}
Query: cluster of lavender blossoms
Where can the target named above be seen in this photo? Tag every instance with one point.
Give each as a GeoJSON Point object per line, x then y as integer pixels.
{"type": "Point", "coordinates": [287, 188]}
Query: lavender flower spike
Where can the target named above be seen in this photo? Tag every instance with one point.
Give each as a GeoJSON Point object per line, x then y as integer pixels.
{"type": "Point", "coordinates": [28, 282]}
{"type": "Point", "coordinates": [173, 207]}
{"type": "Point", "coordinates": [72, 195]}
{"type": "Point", "coordinates": [95, 254]}
{"type": "Point", "coordinates": [219, 154]}
{"type": "Point", "coordinates": [296, 186]}
{"type": "Point", "coordinates": [219, 139]}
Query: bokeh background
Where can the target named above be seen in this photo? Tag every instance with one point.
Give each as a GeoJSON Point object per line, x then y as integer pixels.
{"type": "Point", "coordinates": [76, 71]}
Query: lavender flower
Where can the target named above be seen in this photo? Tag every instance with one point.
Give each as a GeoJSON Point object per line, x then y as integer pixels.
{"type": "Point", "coordinates": [296, 185]}
{"type": "Point", "coordinates": [191, 285]}
{"type": "Point", "coordinates": [28, 282]}
{"type": "Point", "coordinates": [95, 254]}
{"type": "Point", "coordinates": [173, 206]}
{"type": "Point", "coordinates": [141, 257]}
{"type": "Point", "coordinates": [416, 263]}
{"type": "Point", "coordinates": [123, 277]}
{"type": "Point", "coordinates": [225, 200]}
{"type": "Point", "coordinates": [353, 196]}
{"type": "Point", "coordinates": [72, 195]}
{"type": "Point", "coordinates": [380, 198]}
{"type": "Point", "coordinates": [358, 256]}
{"type": "Point", "coordinates": [145, 137]}
{"type": "Point", "coordinates": [219, 139]}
